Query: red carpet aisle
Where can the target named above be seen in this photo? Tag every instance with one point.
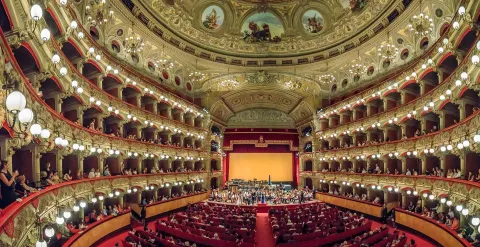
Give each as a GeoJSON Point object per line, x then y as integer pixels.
{"type": "Point", "coordinates": [263, 234]}
{"type": "Point", "coordinates": [418, 240]}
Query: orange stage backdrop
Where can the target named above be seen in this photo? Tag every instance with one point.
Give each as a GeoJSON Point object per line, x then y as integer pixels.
{"type": "Point", "coordinates": [258, 166]}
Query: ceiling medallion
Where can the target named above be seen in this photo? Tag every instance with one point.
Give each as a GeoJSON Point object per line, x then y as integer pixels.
{"type": "Point", "coordinates": [387, 51]}
{"type": "Point", "coordinates": [98, 13]}
{"type": "Point", "coordinates": [133, 44]}
{"type": "Point", "coordinates": [262, 78]}
{"type": "Point", "coordinates": [422, 24]}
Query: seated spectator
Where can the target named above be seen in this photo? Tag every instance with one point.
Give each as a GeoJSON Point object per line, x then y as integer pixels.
{"type": "Point", "coordinates": [97, 173]}
{"type": "Point", "coordinates": [91, 174]}
{"type": "Point", "coordinates": [68, 176]}
{"type": "Point", "coordinates": [22, 187]}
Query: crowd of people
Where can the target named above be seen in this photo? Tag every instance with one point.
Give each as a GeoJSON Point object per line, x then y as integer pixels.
{"type": "Point", "coordinates": [117, 133]}
{"type": "Point", "coordinates": [380, 140]}
{"type": "Point", "coordinates": [434, 172]}
{"type": "Point", "coordinates": [148, 237]}
{"type": "Point", "coordinates": [14, 185]}
{"type": "Point", "coordinates": [268, 194]}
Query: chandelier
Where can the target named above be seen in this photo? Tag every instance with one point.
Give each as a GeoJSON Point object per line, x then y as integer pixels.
{"type": "Point", "coordinates": [229, 84]}
{"type": "Point", "coordinates": [387, 51]}
{"type": "Point", "coordinates": [293, 84]}
{"type": "Point", "coordinates": [98, 13]}
{"type": "Point", "coordinates": [133, 44]}
{"type": "Point", "coordinates": [358, 68]}
{"type": "Point", "coordinates": [196, 76]}
{"type": "Point", "coordinates": [327, 78]}
{"type": "Point", "coordinates": [422, 24]}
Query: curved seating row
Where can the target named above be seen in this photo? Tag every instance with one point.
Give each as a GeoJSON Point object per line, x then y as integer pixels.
{"type": "Point", "coordinates": [421, 224]}
{"type": "Point", "coordinates": [100, 229]}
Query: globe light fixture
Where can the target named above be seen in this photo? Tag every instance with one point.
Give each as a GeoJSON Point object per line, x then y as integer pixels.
{"type": "Point", "coordinates": [459, 208]}
{"type": "Point", "coordinates": [67, 214]}
{"type": "Point", "coordinates": [475, 221]}
{"type": "Point", "coordinates": [45, 34]}
{"type": "Point", "coordinates": [59, 220]}
{"type": "Point", "coordinates": [36, 12]}
{"type": "Point", "coordinates": [41, 243]}
{"type": "Point", "coordinates": [49, 231]}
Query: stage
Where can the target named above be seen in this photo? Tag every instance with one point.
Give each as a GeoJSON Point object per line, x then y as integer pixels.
{"type": "Point", "coordinates": [264, 208]}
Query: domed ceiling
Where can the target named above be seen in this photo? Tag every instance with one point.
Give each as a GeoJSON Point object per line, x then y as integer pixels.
{"type": "Point", "coordinates": [287, 56]}
{"type": "Point", "coordinates": [267, 28]}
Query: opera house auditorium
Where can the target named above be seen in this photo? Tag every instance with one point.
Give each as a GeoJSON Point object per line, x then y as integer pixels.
{"type": "Point", "coordinates": [240, 123]}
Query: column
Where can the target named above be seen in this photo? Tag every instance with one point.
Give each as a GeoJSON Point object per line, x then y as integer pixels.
{"type": "Point", "coordinates": [58, 101]}
{"type": "Point", "coordinates": [169, 112]}
{"type": "Point", "coordinates": [120, 200]}
{"type": "Point", "coordinates": [385, 164]}
{"type": "Point", "coordinates": [36, 163]}
{"type": "Point", "coordinates": [80, 164]}
{"type": "Point", "coordinates": [422, 88]}
{"type": "Point", "coordinates": [461, 108]}
{"type": "Point", "coordinates": [404, 199]}
{"type": "Point", "coordinates": [139, 196]}
{"type": "Point", "coordinates": [354, 139]}
{"type": "Point", "coordinates": [404, 165]}
{"type": "Point", "coordinates": [369, 136]}
{"type": "Point", "coordinates": [169, 163]}
{"type": "Point", "coordinates": [100, 81]}
{"type": "Point", "coordinates": [443, 164]}
{"type": "Point", "coordinates": [463, 164]}
{"type": "Point", "coordinates": [139, 164]}
{"type": "Point", "coordinates": [402, 97]}
{"type": "Point", "coordinates": [385, 134]}
{"type": "Point", "coordinates": [80, 67]}
{"type": "Point", "coordinates": [59, 162]}
{"type": "Point", "coordinates": [155, 193]}
{"type": "Point", "coordinates": [81, 213]}
{"type": "Point", "coordinates": [442, 119]}
{"type": "Point", "coordinates": [138, 99]}
{"type": "Point", "coordinates": [101, 161]}
{"type": "Point", "coordinates": [80, 114]}
{"type": "Point", "coordinates": [368, 109]}
{"type": "Point", "coordinates": [182, 140]}
{"type": "Point", "coordinates": [424, 164]}
{"type": "Point", "coordinates": [100, 204]}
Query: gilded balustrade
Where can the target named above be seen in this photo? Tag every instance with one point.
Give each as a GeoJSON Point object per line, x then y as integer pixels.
{"type": "Point", "coordinates": [454, 37]}
{"type": "Point", "coordinates": [18, 222]}
{"type": "Point", "coordinates": [458, 190]}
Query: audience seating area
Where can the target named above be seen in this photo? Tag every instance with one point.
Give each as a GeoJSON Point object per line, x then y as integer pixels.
{"type": "Point", "coordinates": [321, 225]}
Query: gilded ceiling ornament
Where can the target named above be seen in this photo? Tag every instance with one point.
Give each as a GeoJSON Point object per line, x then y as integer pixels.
{"type": "Point", "coordinates": [262, 78]}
